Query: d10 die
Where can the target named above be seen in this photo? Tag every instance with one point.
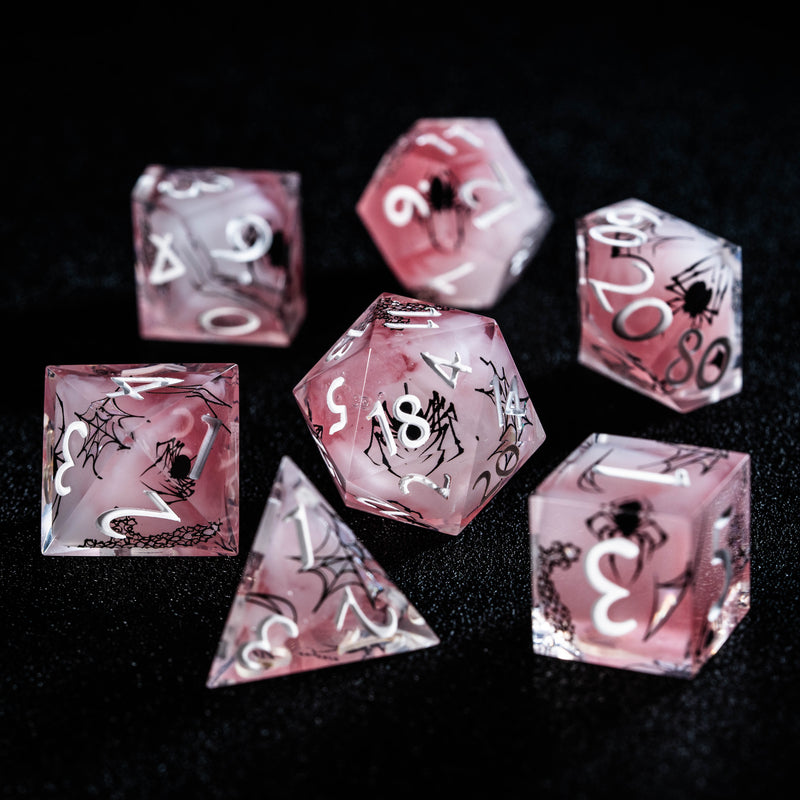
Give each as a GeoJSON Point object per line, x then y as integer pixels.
{"type": "Point", "coordinates": [219, 255]}
{"type": "Point", "coordinates": [641, 554]}
{"type": "Point", "coordinates": [455, 214]}
{"type": "Point", "coordinates": [420, 413]}
{"type": "Point", "coordinates": [660, 305]}
{"type": "Point", "coordinates": [141, 460]}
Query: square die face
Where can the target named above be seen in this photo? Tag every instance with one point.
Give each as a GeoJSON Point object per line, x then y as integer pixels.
{"type": "Point", "coordinates": [640, 554]}
{"type": "Point", "coordinates": [141, 460]}
{"type": "Point", "coordinates": [219, 255]}
{"type": "Point", "coordinates": [660, 305]}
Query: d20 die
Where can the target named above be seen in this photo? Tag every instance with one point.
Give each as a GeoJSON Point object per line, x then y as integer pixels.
{"type": "Point", "coordinates": [311, 595]}
{"type": "Point", "coordinates": [454, 212]}
{"type": "Point", "coordinates": [640, 554]}
{"type": "Point", "coordinates": [420, 413]}
{"type": "Point", "coordinates": [141, 460]}
{"type": "Point", "coordinates": [219, 255]}
{"type": "Point", "coordinates": [660, 305]}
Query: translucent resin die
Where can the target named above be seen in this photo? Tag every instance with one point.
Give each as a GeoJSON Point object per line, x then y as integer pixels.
{"type": "Point", "coordinates": [453, 211]}
{"type": "Point", "coordinates": [660, 304]}
{"type": "Point", "coordinates": [219, 255]}
{"type": "Point", "coordinates": [420, 413]}
{"type": "Point", "coordinates": [641, 554]}
{"type": "Point", "coordinates": [141, 459]}
{"type": "Point", "coordinates": [311, 595]}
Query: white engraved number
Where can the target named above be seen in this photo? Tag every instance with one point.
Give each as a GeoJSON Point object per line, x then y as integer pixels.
{"type": "Point", "coordinates": [280, 655]}
{"type": "Point", "coordinates": [380, 633]}
{"type": "Point", "coordinates": [216, 183]}
{"type": "Point", "coordinates": [166, 266]}
{"type": "Point", "coordinates": [163, 511]}
{"type": "Point", "coordinates": [336, 408]}
{"type": "Point", "coordinates": [633, 237]}
{"type": "Point", "coordinates": [243, 252]}
{"type": "Point", "coordinates": [82, 430]}
{"type": "Point", "coordinates": [610, 592]}
{"type": "Point", "coordinates": [502, 184]}
{"type": "Point", "coordinates": [409, 420]}
{"type": "Point", "coordinates": [400, 203]}
{"type": "Point", "coordinates": [213, 424]}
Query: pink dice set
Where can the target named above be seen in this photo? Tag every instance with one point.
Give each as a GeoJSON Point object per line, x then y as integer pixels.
{"type": "Point", "coordinates": [640, 549]}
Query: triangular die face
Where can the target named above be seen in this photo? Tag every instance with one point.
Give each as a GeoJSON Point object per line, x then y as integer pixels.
{"type": "Point", "coordinates": [311, 595]}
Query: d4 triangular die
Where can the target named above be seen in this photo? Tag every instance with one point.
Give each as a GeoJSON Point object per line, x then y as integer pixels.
{"type": "Point", "coordinates": [311, 595]}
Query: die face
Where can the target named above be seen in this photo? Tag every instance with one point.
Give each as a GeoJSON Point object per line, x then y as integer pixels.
{"type": "Point", "coordinates": [660, 305]}
{"type": "Point", "coordinates": [453, 211]}
{"type": "Point", "coordinates": [311, 595]}
{"type": "Point", "coordinates": [141, 460]}
{"type": "Point", "coordinates": [640, 554]}
{"type": "Point", "coordinates": [219, 255]}
{"type": "Point", "coordinates": [424, 417]}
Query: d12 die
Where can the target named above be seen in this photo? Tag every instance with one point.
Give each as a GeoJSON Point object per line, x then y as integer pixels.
{"type": "Point", "coordinates": [660, 305]}
{"type": "Point", "coordinates": [420, 413]}
{"type": "Point", "coordinates": [219, 255]}
{"type": "Point", "coordinates": [640, 554]}
{"type": "Point", "coordinates": [455, 214]}
{"type": "Point", "coordinates": [311, 595]}
{"type": "Point", "coordinates": [141, 460]}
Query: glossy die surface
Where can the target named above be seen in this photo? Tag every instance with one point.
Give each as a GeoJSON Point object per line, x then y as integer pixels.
{"type": "Point", "coordinates": [219, 255]}
{"type": "Point", "coordinates": [453, 211]}
{"type": "Point", "coordinates": [311, 595]}
{"type": "Point", "coordinates": [420, 413]}
{"type": "Point", "coordinates": [641, 554]}
{"type": "Point", "coordinates": [660, 305]}
{"type": "Point", "coordinates": [141, 459]}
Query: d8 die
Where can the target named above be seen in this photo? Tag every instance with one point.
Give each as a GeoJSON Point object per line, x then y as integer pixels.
{"type": "Point", "coordinates": [640, 554]}
{"type": "Point", "coordinates": [660, 305]}
{"type": "Point", "coordinates": [219, 255]}
{"type": "Point", "coordinates": [141, 460]}
{"type": "Point", "coordinates": [420, 413]}
{"type": "Point", "coordinates": [453, 211]}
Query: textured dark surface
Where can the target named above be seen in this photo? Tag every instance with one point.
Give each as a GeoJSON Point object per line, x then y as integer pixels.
{"type": "Point", "coordinates": [102, 688]}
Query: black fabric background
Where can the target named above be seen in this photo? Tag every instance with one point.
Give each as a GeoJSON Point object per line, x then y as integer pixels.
{"type": "Point", "coordinates": [105, 660]}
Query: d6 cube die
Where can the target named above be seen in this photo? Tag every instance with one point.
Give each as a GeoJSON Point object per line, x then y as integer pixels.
{"type": "Point", "coordinates": [420, 413]}
{"type": "Point", "coordinates": [660, 305]}
{"type": "Point", "coordinates": [141, 460]}
{"type": "Point", "coordinates": [640, 553]}
{"type": "Point", "coordinates": [455, 214]}
{"type": "Point", "coordinates": [219, 255]}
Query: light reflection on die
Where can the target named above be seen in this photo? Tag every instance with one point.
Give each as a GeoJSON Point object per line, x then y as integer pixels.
{"type": "Point", "coordinates": [219, 255]}
{"type": "Point", "coordinates": [640, 554]}
{"type": "Point", "coordinates": [454, 212]}
{"type": "Point", "coordinates": [420, 413]}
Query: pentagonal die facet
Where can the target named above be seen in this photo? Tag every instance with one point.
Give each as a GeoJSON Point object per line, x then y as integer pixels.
{"type": "Point", "coordinates": [641, 554]}
{"type": "Point", "coordinates": [420, 413]}
{"type": "Point", "coordinates": [219, 255]}
{"type": "Point", "coordinates": [660, 304]}
{"type": "Point", "coordinates": [453, 211]}
{"type": "Point", "coordinates": [141, 459]}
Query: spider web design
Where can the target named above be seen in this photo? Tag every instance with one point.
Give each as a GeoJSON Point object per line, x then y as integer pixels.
{"type": "Point", "coordinates": [700, 289]}
{"type": "Point", "coordinates": [517, 422]}
{"type": "Point", "coordinates": [587, 480]}
{"type": "Point", "coordinates": [174, 486]}
{"type": "Point", "coordinates": [687, 456]}
{"type": "Point", "coordinates": [443, 444]}
{"type": "Point", "coordinates": [184, 536]}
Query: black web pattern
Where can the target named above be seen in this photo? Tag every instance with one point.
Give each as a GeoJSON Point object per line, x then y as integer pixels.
{"type": "Point", "coordinates": [557, 556]}
{"type": "Point", "coordinates": [185, 536]}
